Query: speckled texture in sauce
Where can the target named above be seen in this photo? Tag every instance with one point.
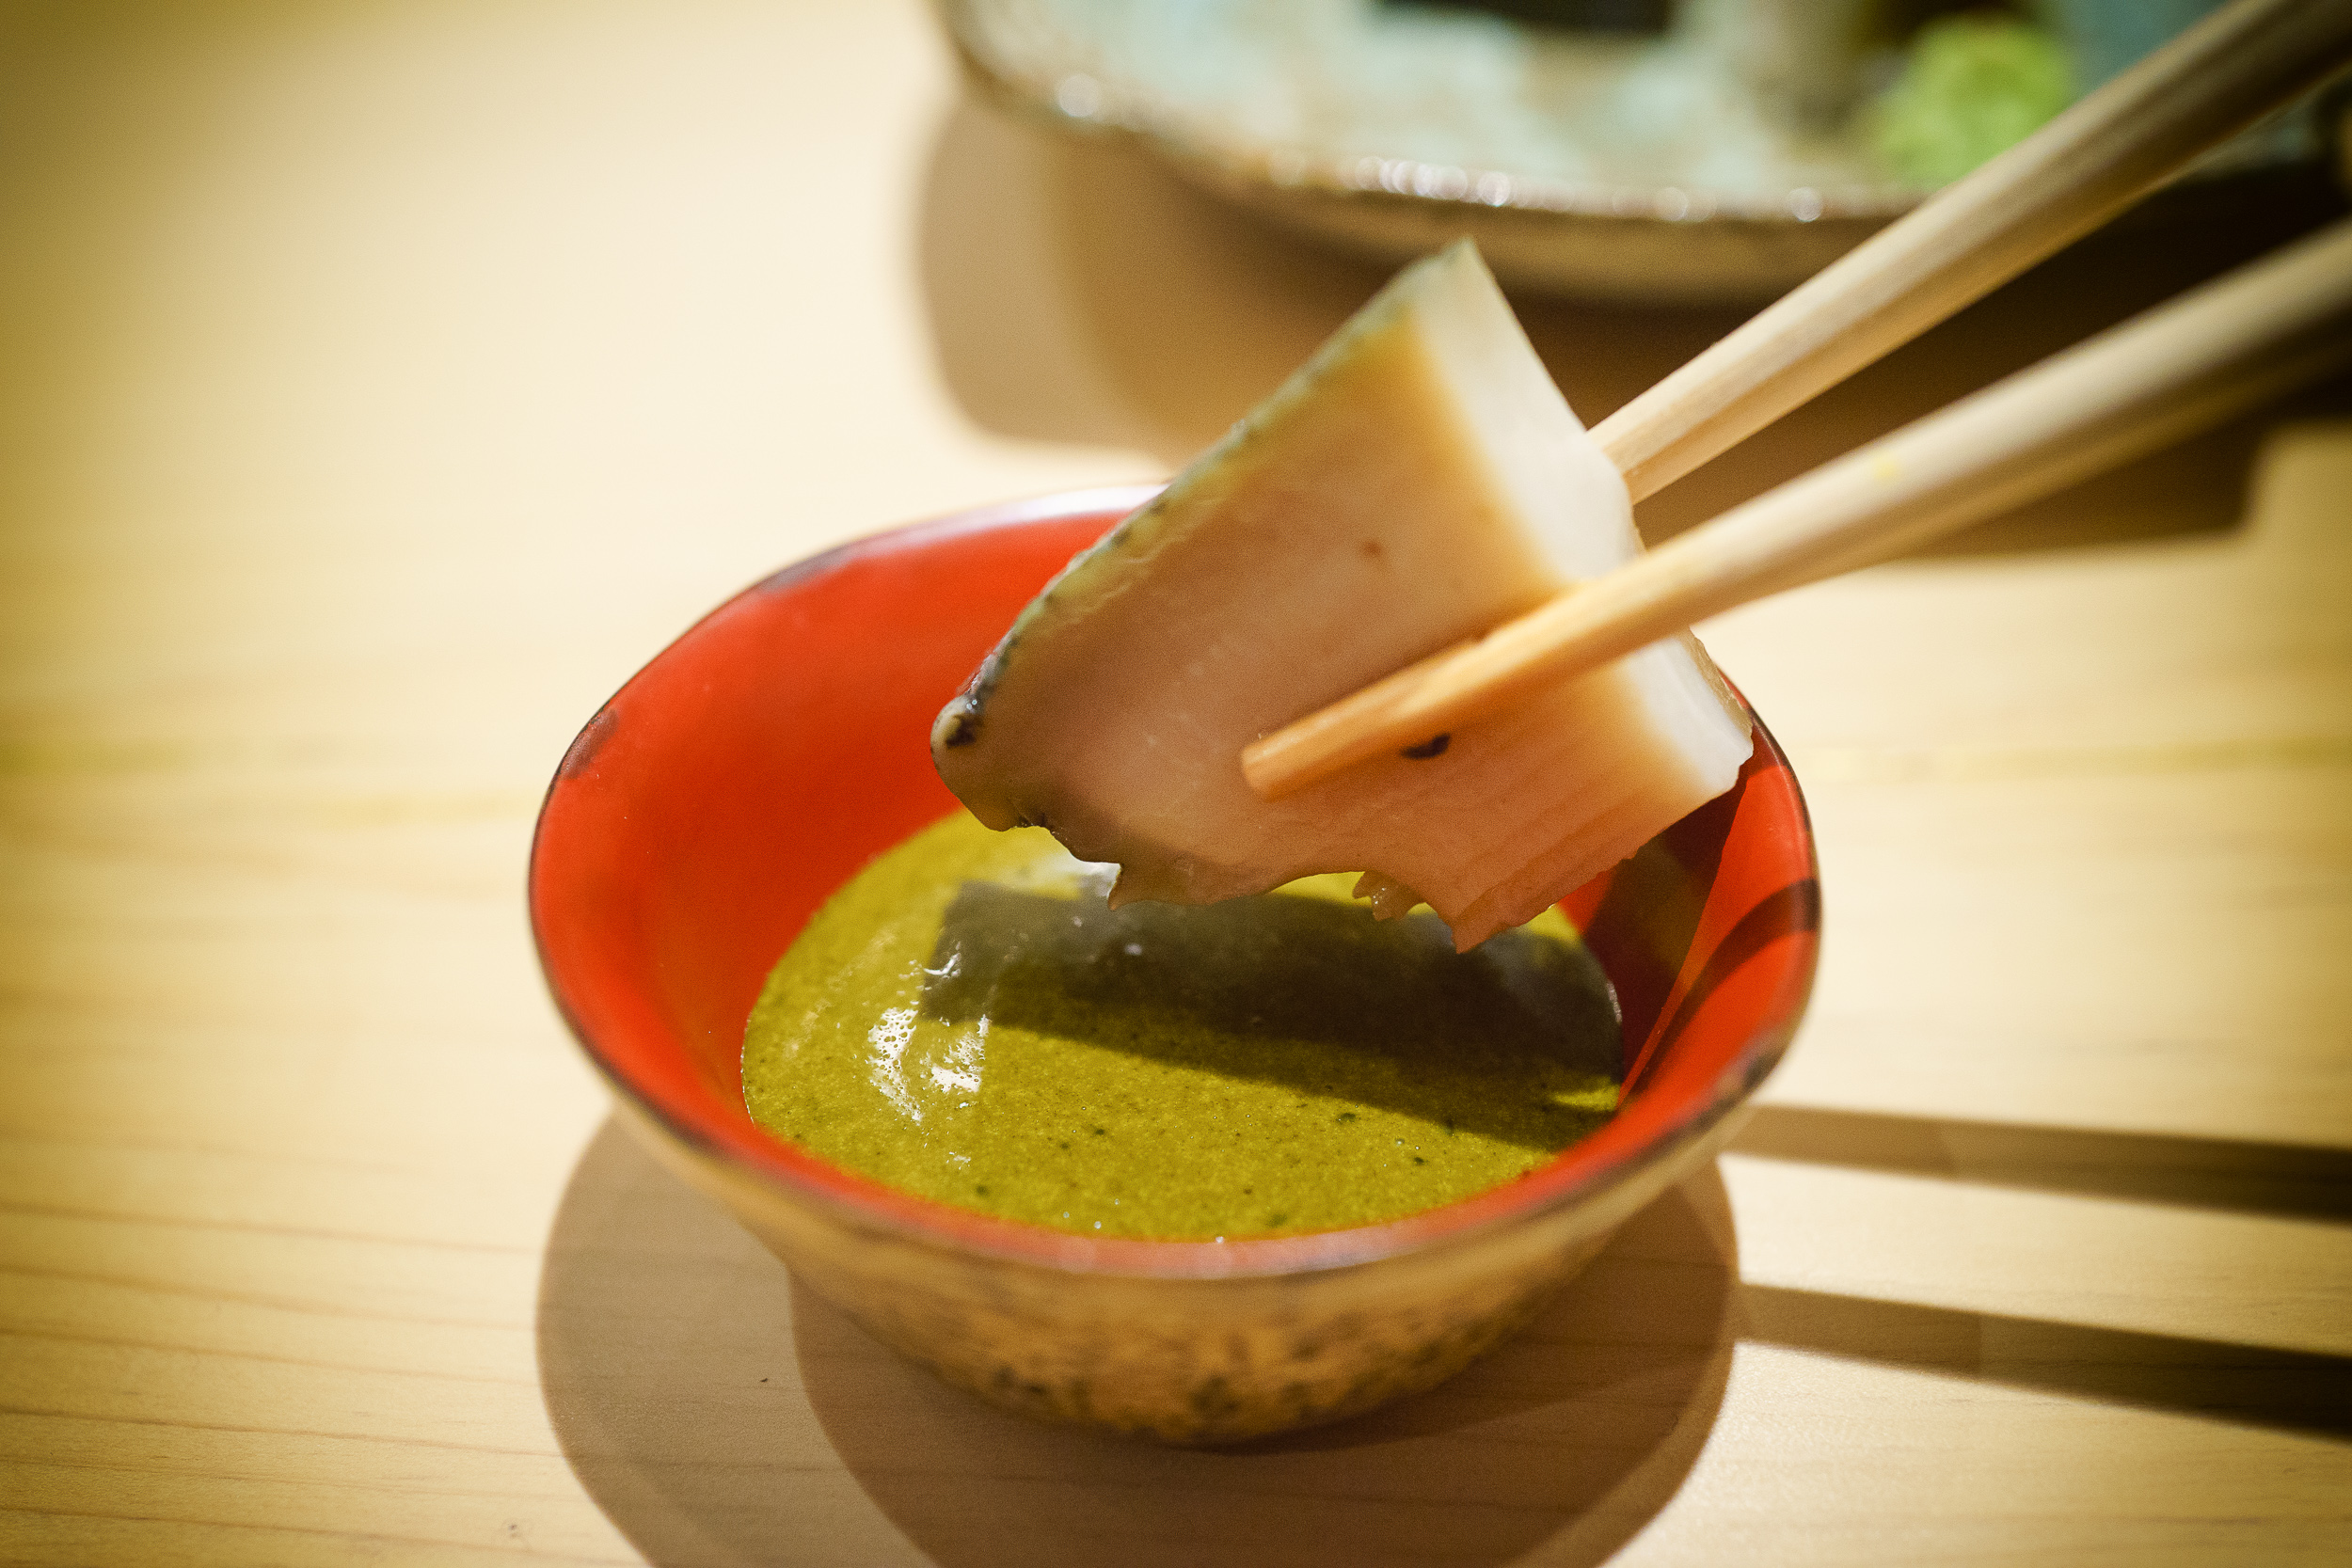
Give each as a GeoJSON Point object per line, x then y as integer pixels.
{"type": "Point", "coordinates": [967, 1019]}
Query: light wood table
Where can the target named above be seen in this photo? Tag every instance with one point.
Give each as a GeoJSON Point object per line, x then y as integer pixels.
{"type": "Point", "coordinates": [381, 383]}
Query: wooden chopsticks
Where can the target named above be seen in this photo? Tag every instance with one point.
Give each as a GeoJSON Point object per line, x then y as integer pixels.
{"type": "Point", "coordinates": [2056, 185]}
{"type": "Point", "coordinates": [2175, 369]}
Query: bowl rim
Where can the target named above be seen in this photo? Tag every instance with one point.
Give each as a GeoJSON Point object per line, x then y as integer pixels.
{"type": "Point", "coordinates": [1642, 1133]}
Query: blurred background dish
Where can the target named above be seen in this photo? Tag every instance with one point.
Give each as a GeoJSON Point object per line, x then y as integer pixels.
{"type": "Point", "coordinates": [1649, 150]}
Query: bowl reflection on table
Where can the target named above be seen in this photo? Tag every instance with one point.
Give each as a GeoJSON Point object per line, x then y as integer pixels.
{"type": "Point", "coordinates": [716, 801]}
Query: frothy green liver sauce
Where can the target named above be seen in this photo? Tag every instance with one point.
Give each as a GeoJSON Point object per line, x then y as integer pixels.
{"type": "Point", "coordinates": [967, 1020]}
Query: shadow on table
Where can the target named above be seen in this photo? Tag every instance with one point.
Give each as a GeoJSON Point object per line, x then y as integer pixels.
{"type": "Point", "coordinates": [2284, 1390]}
{"type": "Point", "coordinates": [1078, 291]}
{"type": "Point", "coordinates": [2300, 1182]}
{"type": "Point", "coordinates": [720, 1414]}
{"type": "Point", "coordinates": [2287, 1390]}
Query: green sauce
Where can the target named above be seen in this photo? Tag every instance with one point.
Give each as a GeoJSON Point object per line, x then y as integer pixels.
{"type": "Point", "coordinates": [967, 1020]}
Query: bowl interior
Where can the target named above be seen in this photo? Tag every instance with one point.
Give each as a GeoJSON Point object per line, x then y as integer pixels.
{"type": "Point", "coordinates": [712, 805]}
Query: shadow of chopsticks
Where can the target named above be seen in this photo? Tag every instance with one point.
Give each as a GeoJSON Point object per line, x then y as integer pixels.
{"type": "Point", "coordinates": [2287, 1390]}
{"type": "Point", "coordinates": [2287, 1179]}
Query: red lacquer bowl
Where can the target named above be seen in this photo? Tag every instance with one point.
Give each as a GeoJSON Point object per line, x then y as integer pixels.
{"type": "Point", "coordinates": [708, 809]}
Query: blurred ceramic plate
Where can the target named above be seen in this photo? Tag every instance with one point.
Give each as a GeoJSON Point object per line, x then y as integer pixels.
{"type": "Point", "coordinates": [1722, 156]}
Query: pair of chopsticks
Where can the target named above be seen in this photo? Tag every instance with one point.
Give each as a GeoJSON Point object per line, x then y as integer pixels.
{"type": "Point", "coordinates": [2154, 380]}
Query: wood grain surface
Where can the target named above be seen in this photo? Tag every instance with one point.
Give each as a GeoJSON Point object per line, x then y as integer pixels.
{"type": "Point", "coordinates": [381, 383]}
